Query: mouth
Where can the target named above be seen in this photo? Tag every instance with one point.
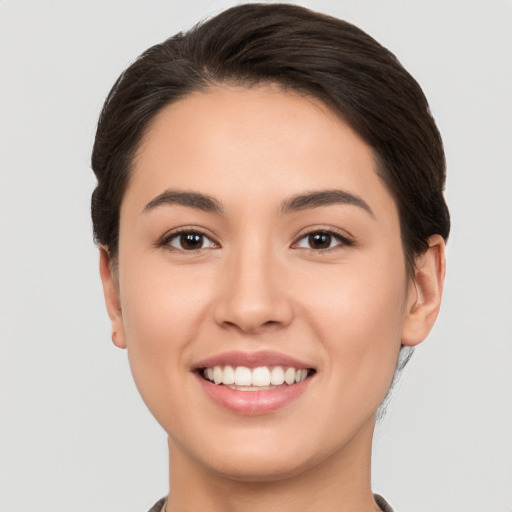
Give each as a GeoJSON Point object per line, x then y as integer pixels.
{"type": "Point", "coordinates": [254, 383]}
{"type": "Point", "coordinates": [260, 378]}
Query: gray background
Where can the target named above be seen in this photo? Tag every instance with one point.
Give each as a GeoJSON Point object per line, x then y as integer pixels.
{"type": "Point", "coordinates": [74, 435]}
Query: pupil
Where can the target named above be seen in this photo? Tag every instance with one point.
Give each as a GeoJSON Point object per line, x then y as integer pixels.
{"type": "Point", "coordinates": [191, 240]}
{"type": "Point", "coordinates": [320, 240]}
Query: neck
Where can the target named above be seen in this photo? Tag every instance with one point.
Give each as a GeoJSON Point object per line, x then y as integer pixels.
{"type": "Point", "coordinates": [339, 483]}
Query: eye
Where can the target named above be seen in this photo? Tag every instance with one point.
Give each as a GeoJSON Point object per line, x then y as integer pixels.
{"type": "Point", "coordinates": [189, 240]}
{"type": "Point", "coordinates": [322, 240]}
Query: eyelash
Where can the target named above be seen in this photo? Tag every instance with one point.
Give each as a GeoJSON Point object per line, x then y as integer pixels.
{"type": "Point", "coordinates": [177, 234]}
{"type": "Point", "coordinates": [341, 239]}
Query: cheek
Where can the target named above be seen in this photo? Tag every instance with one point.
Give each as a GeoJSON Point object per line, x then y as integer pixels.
{"type": "Point", "coordinates": [159, 302]}
{"type": "Point", "coordinates": [358, 314]}
{"type": "Point", "coordinates": [162, 317]}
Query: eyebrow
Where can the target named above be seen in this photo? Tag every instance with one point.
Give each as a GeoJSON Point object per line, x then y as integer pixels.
{"type": "Point", "coordinates": [323, 198]}
{"type": "Point", "coordinates": [190, 199]}
{"type": "Point", "coordinates": [294, 204]}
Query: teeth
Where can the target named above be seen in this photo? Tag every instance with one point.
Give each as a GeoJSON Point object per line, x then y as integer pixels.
{"type": "Point", "coordinates": [289, 376]}
{"type": "Point", "coordinates": [277, 376]}
{"type": "Point", "coordinates": [260, 377]}
{"type": "Point", "coordinates": [228, 376]}
{"type": "Point", "coordinates": [243, 376]}
{"type": "Point", "coordinates": [217, 374]}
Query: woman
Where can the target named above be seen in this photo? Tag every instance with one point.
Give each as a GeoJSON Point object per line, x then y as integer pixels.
{"type": "Point", "coordinates": [271, 224]}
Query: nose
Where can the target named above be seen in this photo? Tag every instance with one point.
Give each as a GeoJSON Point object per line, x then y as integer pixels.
{"type": "Point", "coordinates": [252, 296]}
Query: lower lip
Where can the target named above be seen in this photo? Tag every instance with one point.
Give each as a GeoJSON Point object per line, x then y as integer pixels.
{"type": "Point", "coordinates": [253, 403]}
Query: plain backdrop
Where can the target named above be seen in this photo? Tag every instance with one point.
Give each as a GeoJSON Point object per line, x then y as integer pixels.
{"type": "Point", "coordinates": [74, 434]}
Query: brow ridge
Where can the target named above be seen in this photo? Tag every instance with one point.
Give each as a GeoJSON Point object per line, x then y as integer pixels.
{"type": "Point", "coordinates": [191, 199]}
{"type": "Point", "coordinates": [317, 199]}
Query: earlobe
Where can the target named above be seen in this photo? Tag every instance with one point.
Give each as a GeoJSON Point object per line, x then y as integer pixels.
{"type": "Point", "coordinates": [425, 293]}
{"type": "Point", "coordinates": [112, 301]}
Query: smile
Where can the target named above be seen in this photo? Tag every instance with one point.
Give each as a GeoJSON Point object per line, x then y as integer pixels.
{"type": "Point", "coordinates": [243, 378]}
{"type": "Point", "coordinates": [254, 383]}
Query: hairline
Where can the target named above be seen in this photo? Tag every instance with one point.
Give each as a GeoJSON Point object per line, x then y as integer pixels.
{"type": "Point", "coordinates": [209, 83]}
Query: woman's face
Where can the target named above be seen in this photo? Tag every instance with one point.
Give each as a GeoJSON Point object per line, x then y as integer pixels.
{"type": "Point", "coordinates": [255, 234]}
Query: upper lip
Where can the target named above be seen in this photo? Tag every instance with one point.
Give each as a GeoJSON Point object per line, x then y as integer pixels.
{"type": "Point", "coordinates": [251, 360]}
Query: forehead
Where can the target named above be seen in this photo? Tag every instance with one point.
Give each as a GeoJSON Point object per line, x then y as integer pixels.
{"type": "Point", "coordinates": [259, 142]}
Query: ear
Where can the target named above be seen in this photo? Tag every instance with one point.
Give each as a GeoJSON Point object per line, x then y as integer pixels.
{"type": "Point", "coordinates": [112, 301]}
{"type": "Point", "coordinates": [425, 292]}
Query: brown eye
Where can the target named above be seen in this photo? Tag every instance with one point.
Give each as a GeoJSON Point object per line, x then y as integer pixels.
{"type": "Point", "coordinates": [319, 240]}
{"type": "Point", "coordinates": [322, 240]}
{"type": "Point", "coordinates": [190, 241]}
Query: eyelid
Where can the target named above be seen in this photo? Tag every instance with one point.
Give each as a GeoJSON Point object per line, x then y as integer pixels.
{"type": "Point", "coordinates": [346, 240]}
{"type": "Point", "coordinates": [164, 240]}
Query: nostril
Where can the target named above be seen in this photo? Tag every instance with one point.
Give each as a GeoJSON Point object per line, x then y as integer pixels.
{"type": "Point", "coordinates": [250, 306]}
{"type": "Point", "coordinates": [250, 327]}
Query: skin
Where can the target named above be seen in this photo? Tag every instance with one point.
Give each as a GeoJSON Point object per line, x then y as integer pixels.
{"type": "Point", "coordinates": [257, 285]}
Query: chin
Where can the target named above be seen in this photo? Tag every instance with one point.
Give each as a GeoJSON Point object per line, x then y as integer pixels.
{"type": "Point", "coordinates": [261, 469]}
{"type": "Point", "coordinates": [267, 457]}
